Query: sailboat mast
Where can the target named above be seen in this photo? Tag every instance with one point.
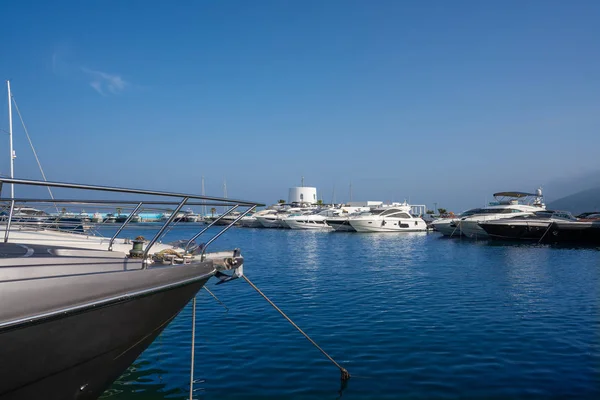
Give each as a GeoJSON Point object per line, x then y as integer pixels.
{"type": "Point", "coordinates": [224, 193]}
{"type": "Point", "coordinates": [10, 139]}
{"type": "Point", "coordinates": [203, 207]}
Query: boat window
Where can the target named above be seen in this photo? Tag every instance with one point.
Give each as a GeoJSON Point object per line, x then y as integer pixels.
{"type": "Point", "coordinates": [471, 212]}
{"type": "Point", "coordinates": [401, 215]}
{"type": "Point", "coordinates": [390, 211]}
{"type": "Point", "coordinates": [374, 212]}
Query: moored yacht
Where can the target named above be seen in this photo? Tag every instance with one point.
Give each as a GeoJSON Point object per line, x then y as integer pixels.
{"type": "Point", "coordinates": [26, 215]}
{"type": "Point", "coordinates": [311, 220]}
{"type": "Point", "coordinates": [534, 226]}
{"type": "Point", "coordinates": [104, 299]}
{"type": "Point", "coordinates": [546, 227]}
{"type": "Point", "coordinates": [507, 205]}
{"type": "Point", "coordinates": [394, 218]}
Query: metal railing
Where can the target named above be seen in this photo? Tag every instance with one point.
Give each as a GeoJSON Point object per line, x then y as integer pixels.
{"type": "Point", "coordinates": [12, 215]}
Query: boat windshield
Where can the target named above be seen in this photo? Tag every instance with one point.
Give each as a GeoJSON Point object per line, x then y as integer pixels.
{"type": "Point", "coordinates": [472, 211]}
{"type": "Point", "coordinates": [372, 212]}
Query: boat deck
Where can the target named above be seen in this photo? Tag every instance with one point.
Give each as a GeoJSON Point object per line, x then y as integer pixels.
{"type": "Point", "coordinates": [17, 250]}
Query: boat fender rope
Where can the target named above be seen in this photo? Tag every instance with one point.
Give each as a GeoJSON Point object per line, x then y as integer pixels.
{"type": "Point", "coordinates": [345, 375]}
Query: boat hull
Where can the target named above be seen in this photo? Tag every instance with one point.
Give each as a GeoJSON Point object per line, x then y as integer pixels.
{"type": "Point", "coordinates": [307, 224]}
{"type": "Point", "coordinates": [516, 231]}
{"type": "Point", "coordinates": [472, 230]}
{"type": "Point", "coordinates": [575, 232]}
{"type": "Point", "coordinates": [341, 225]}
{"type": "Point", "coordinates": [270, 222]}
{"type": "Point", "coordinates": [388, 225]}
{"type": "Point", "coordinates": [447, 227]}
{"type": "Point", "coordinates": [79, 354]}
{"type": "Point", "coordinates": [250, 222]}
{"type": "Point", "coordinates": [73, 319]}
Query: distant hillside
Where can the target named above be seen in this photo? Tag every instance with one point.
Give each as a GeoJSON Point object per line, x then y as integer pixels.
{"type": "Point", "coordinates": [574, 183]}
{"type": "Point", "coordinates": [586, 200]}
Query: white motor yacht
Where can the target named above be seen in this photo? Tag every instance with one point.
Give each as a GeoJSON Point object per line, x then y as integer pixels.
{"type": "Point", "coordinates": [311, 220]}
{"type": "Point", "coordinates": [507, 205]}
{"type": "Point", "coordinates": [26, 215]}
{"type": "Point", "coordinates": [394, 218]}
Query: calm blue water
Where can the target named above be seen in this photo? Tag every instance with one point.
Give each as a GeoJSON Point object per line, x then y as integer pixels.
{"type": "Point", "coordinates": [412, 315]}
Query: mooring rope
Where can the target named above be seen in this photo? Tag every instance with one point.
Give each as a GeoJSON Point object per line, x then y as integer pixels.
{"type": "Point", "coordinates": [216, 298]}
{"type": "Point", "coordinates": [193, 347]}
{"type": "Point", "coordinates": [345, 374]}
{"type": "Point", "coordinates": [549, 226]}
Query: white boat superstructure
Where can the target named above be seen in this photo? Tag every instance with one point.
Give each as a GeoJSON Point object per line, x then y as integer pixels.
{"type": "Point", "coordinates": [393, 218]}
{"type": "Point", "coordinates": [508, 205]}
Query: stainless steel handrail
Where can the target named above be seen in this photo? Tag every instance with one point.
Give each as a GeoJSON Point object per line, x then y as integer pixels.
{"type": "Point", "coordinates": [204, 200]}
{"type": "Point", "coordinates": [123, 190]}
{"type": "Point", "coordinates": [196, 236]}
{"type": "Point", "coordinates": [224, 230]}
{"type": "Point", "coordinates": [161, 230]}
{"type": "Point", "coordinates": [131, 214]}
{"type": "Point", "coordinates": [124, 202]}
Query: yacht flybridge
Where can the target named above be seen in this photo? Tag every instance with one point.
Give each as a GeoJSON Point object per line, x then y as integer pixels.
{"type": "Point", "coordinates": [78, 309]}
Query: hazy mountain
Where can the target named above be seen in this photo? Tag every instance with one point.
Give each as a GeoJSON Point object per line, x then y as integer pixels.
{"type": "Point", "coordinates": [559, 188]}
{"type": "Point", "coordinates": [586, 200]}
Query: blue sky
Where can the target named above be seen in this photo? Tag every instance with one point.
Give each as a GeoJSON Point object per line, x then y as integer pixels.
{"type": "Point", "coordinates": [431, 101]}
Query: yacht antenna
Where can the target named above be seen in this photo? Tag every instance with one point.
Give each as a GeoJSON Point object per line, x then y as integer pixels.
{"type": "Point", "coordinates": [302, 182]}
{"type": "Point", "coordinates": [10, 139]}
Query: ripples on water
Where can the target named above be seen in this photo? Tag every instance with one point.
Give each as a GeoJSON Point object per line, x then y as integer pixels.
{"type": "Point", "coordinates": [412, 315]}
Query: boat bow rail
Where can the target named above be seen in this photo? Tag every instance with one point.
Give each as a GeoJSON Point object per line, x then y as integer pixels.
{"type": "Point", "coordinates": [145, 200]}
